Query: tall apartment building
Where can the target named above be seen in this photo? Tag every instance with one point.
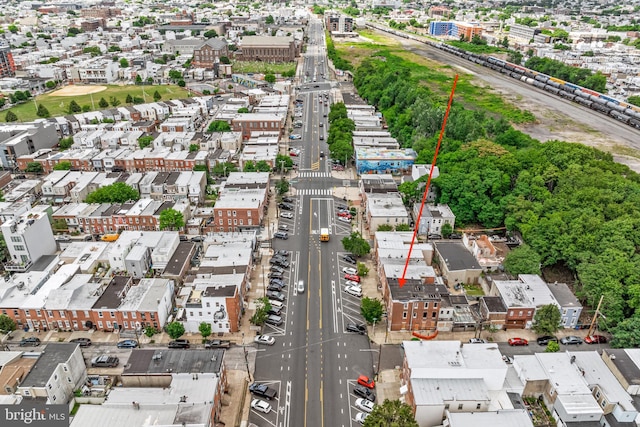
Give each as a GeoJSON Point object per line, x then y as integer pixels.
{"type": "Point", "coordinates": [7, 66]}
{"type": "Point", "coordinates": [28, 237]}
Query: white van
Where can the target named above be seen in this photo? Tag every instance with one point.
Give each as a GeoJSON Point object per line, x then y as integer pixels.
{"type": "Point", "coordinates": [276, 304]}
{"type": "Point", "coordinates": [301, 286]}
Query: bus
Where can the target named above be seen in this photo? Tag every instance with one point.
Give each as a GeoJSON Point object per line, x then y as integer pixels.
{"type": "Point", "coordinates": [324, 234]}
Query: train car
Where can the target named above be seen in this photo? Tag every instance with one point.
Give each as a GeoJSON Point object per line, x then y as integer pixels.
{"type": "Point", "coordinates": [572, 86]}
{"type": "Point", "coordinates": [634, 122]}
{"type": "Point", "coordinates": [519, 69]}
{"type": "Point", "coordinates": [599, 107]}
{"type": "Point", "coordinates": [553, 90]}
{"type": "Point", "coordinates": [542, 78]}
{"type": "Point", "coordinates": [584, 101]}
{"type": "Point", "coordinates": [608, 98]}
{"type": "Point", "coordinates": [619, 116]}
{"type": "Point", "coordinates": [581, 94]}
{"type": "Point", "coordinates": [551, 83]}
{"type": "Point", "coordinates": [557, 80]}
{"type": "Point", "coordinates": [539, 85]}
{"type": "Point", "coordinates": [529, 81]}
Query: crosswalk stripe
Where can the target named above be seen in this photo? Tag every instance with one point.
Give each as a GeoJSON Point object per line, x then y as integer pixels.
{"type": "Point", "coordinates": [313, 174]}
{"type": "Point", "coordinates": [315, 192]}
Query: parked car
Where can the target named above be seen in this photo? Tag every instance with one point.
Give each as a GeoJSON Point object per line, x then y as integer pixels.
{"type": "Point", "coordinates": [286, 206]}
{"type": "Point", "coordinates": [283, 227]}
{"type": "Point", "coordinates": [477, 341]}
{"type": "Point", "coordinates": [364, 405]}
{"type": "Point", "coordinates": [277, 282]}
{"type": "Point", "coordinates": [275, 275]}
{"type": "Point", "coordinates": [366, 381]}
{"type": "Point", "coordinates": [287, 215]}
{"type": "Point", "coordinates": [517, 341]}
{"type": "Point", "coordinates": [344, 219]}
{"type": "Point", "coordinates": [281, 235]}
{"type": "Point", "coordinates": [355, 291]}
{"type": "Point", "coordinates": [263, 390]}
{"type": "Point", "coordinates": [128, 344]}
{"type": "Point", "coordinates": [360, 417]}
{"type": "Point", "coordinates": [30, 341]}
{"type": "Point", "coordinates": [278, 296]}
{"type": "Point", "coordinates": [217, 344]}
{"type": "Point", "coordinates": [358, 328]}
{"type": "Point", "coordinates": [273, 319]}
{"type": "Point", "coordinates": [351, 283]}
{"type": "Point", "coordinates": [264, 339]}
{"type": "Point", "coordinates": [596, 339]}
{"type": "Point", "coordinates": [104, 361]}
{"type": "Point", "coordinates": [352, 277]}
{"type": "Point", "coordinates": [82, 342]}
{"type": "Point", "coordinates": [287, 199]}
{"type": "Point", "coordinates": [571, 340]}
{"type": "Point", "coordinates": [350, 259]}
{"type": "Point", "coordinates": [544, 340]}
{"type": "Point", "coordinates": [261, 405]}
{"type": "Point", "coordinates": [344, 214]}
{"type": "Point", "coordinates": [295, 136]}
{"type": "Point", "coordinates": [349, 270]}
{"type": "Point", "coordinates": [275, 287]}
{"type": "Point", "coordinates": [179, 344]}
{"type": "Point", "coordinates": [274, 268]}
{"type": "Point", "coordinates": [197, 239]}
{"type": "Point", "coordinates": [364, 392]}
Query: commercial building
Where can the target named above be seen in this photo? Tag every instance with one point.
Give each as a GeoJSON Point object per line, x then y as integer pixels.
{"type": "Point", "coordinates": [269, 49]}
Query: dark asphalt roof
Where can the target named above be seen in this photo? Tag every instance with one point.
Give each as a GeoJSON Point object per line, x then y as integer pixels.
{"type": "Point", "coordinates": [627, 367]}
{"type": "Point", "coordinates": [414, 289]}
{"type": "Point", "coordinates": [53, 354]}
{"type": "Point", "coordinates": [494, 304]}
{"type": "Point", "coordinates": [168, 361]}
{"type": "Point", "coordinates": [456, 256]}
{"type": "Point", "coordinates": [112, 295]}
{"type": "Point", "coordinates": [180, 257]}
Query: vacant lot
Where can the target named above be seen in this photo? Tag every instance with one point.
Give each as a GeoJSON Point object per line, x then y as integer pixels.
{"type": "Point", "coordinates": [59, 105]}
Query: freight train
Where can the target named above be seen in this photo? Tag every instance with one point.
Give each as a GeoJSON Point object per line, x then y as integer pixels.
{"type": "Point", "coordinates": [621, 111]}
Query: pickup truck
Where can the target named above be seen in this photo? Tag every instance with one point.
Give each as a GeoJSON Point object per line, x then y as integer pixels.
{"type": "Point", "coordinates": [217, 344]}
{"type": "Point", "coordinates": [262, 390]}
{"type": "Point", "coordinates": [104, 361]}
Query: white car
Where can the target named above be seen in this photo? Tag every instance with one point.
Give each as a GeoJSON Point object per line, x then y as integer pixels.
{"type": "Point", "coordinates": [261, 405]}
{"type": "Point", "coordinates": [361, 416]}
{"type": "Point", "coordinates": [364, 404]}
{"type": "Point", "coordinates": [352, 283]}
{"type": "Point", "coordinates": [287, 215]}
{"type": "Point", "coordinates": [343, 219]}
{"type": "Point", "coordinates": [350, 270]}
{"type": "Point", "coordinates": [264, 339]}
{"type": "Point", "coordinates": [354, 291]}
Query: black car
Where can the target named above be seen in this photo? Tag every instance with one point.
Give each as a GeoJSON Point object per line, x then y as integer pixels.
{"type": "Point", "coordinates": [364, 392]}
{"type": "Point", "coordinates": [82, 342]}
{"type": "Point", "coordinates": [282, 253]}
{"type": "Point", "coordinates": [275, 275]}
{"type": "Point", "coordinates": [276, 269]}
{"type": "Point", "coordinates": [179, 344]}
{"type": "Point", "coordinates": [274, 295]}
{"type": "Point", "coordinates": [358, 328]}
{"type": "Point", "coordinates": [274, 287]}
{"type": "Point", "coordinates": [285, 206]}
{"type": "Point", "coordinates": [279, 282]}
{"type": "Point", "coordinates": [263, 391]}
{"type": "Point", "coordinates": [350, 259]}
{"type": "Point", "coordinates": [197, 239]}
{"type": "Point", "coordinates": [281, 263]}
{"type": "Point", "coordinates": [32, 341]}
{"type": "Point", "coordinates": [287, 199]}
{"type": "Point", "coordinates": [546, 339]}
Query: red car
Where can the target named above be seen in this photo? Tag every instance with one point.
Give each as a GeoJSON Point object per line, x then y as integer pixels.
{"type": "Point", "coordinates": [595, 339]}
{"type": "Point", "coordinates": [366, 381]}
{"type": "Point", "coordinates": [344, 214]}
{"type": "Point", "coordinates": [518, 341]}
{"type": "Point", "coordinates": [352, 277]}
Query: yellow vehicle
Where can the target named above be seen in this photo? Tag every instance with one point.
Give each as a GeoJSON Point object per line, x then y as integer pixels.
{"type": "Point", "coordinates": [110, 237]}
{"type": "Point", "coordinates": [324, 234]}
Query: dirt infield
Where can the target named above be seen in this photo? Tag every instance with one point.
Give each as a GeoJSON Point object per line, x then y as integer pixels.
{"type": "Point", "coordinates": [75, 90]}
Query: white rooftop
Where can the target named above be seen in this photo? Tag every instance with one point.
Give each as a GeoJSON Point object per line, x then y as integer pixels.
{"type": "Point", "coordinates": [501, 418]}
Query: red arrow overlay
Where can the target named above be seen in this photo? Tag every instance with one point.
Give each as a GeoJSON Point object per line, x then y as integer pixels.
{"type": "Point", "coordinates": [402, 280]}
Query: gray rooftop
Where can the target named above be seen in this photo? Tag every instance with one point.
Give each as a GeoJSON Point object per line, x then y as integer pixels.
{"type": "Point", "coordinates": [168, 361]}
{"type": "Point", "coordinates": [46, 364]}
{"type": "Point", "coordinates": [456, 256]}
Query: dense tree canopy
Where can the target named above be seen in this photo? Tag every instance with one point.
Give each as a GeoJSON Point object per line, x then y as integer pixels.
{"type": "Point", "coordinates": [573, 205]}
{"type": "Point", "coordinates": [546, 321]}
{"type": "Point", "coordinates": [580, 76]}
{"type": "Point", "coordinates": [171, 219]}
{"type": "Point", "coordinates": [118, 192]}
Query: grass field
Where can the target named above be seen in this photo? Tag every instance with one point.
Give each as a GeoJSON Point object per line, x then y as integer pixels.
{"type": "Point", "coordinates": [262, 67]}
{"type": "Point", "coordinates": [58, 105]}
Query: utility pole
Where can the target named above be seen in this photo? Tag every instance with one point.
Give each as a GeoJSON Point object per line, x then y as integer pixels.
{"type": "Point", "coordinates": [592, 327]}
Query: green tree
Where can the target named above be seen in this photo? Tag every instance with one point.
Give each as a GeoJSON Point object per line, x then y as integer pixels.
{"type": "Point", "coordinates": [282, 186]}
{"type": "Point", "coordinates": [205, 329]}
{"type": "Point", "coordinates": [171, 219]}
{"type": "Point", "coordinates": [12, 28]}
{"type": "Point", "coordinates": [156, 96]}
{"type": "Point", "coordinates": [385, 227]}
{"type": "Point", "coordinates": [11, 116]}
{"type": "Point", "coordinates": [93, 50]}
{"type": "Point", "coordinates": [219, 126]}
{"type": "Point", "coordinates": [210, 34]}
{"type": "Point", "coordinates": [193, 148]}
{"type": "Point", "coordinates": [546, 321]}
{"type": "Point", "coordinates": [42, 111]}
{"type": "Point", "coordinates": [59, 225]}
{"type": "Point", "coordinates": [262, 311]}
{"type": "Point", "coordinates": [65, 143]}
{"type": "Point", "coordinates": [150, 331]}
{"type": "Point", "coordinates": [145, 141]}
{"type": "Point", "coordinates": [86, 108]}
{"type": "Point", "coordinates": [62, 166]}
{"type": "Point", "coordinates": [522, 260]}
{"type": "Point", "coordinates": [34, 167]}
{"type": "Point", "coordinates": [270, 78]}
{"type": "Point", "coordinates": [114, 101]}
{"type": "Point", "coordinates": [356, 244]}
{"type": "Point", "coordinates": [7, 324]}
{"type": "Point", "coordinates": [224, 169]}
{"type": "Point", "coordinates": [243, 110]}
{"type": "Point", "coordinates": [446, 230]}
{"type": "Point", "coordinates": [249, 166]}
{"type": "Point", "coordinates": [175, 330]}
{"type": "Point", "coordinates": [371, 309]}
{"type": "Point", "coordinates": [283, 161]}
{"type": "Point", "coordinates": [182, 83]}
{"type": "Point", "coordinates": [124, 63]}
{"type": "Point", "coordinates": [263, 166]}
{"type": "Point", "coordinates": [103, 103]}
{"type": "Point", "coordinates": [50, 84]}
{"type": "Point", "coordinates": [138, 79]}
{"type": "Point", "coordinates": [74, 107]}
{"type": "Point", "coordinates": [626, 334]}
{"type": "Point", "coordinates": [634, 99]}
{"type": "Point", "coordinates": [118, 192]}
{"type": "Point", "coordinates": [269, 20]}
{"type": "Point", "coordinates": [225, 60]}
{"type": "Point", "coordinates": [362, 269]}
{"type": "Point", "coordinates": [552, 347]}
{"type": "Point", "coordinates": [129, 99]}
{"type": "Point", "coordinates": [392, 413]}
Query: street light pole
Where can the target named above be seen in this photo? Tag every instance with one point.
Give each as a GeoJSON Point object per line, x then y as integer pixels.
{"type": "Point", "coordinates": [246, 361]}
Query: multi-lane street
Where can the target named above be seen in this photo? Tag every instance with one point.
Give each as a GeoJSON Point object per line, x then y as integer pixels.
{"type": "Point", "coordinates": [314, 362]}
